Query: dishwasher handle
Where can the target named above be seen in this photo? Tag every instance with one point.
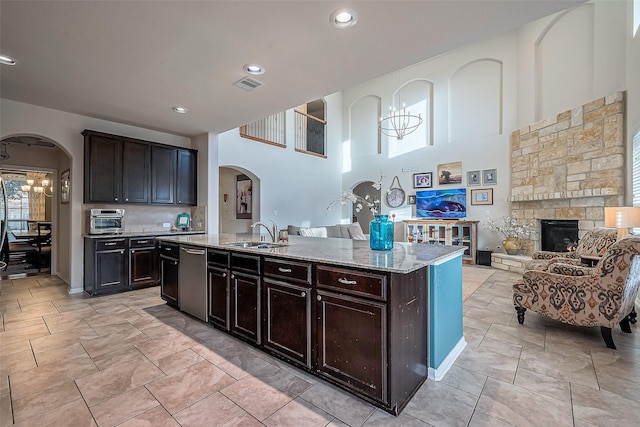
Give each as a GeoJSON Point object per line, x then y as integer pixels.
{"type": "Point", "coordinates": [193, 251]}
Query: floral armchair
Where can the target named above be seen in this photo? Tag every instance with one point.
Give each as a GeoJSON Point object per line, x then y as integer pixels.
{"type": "Point", "coordinates": [594, 243]}
{"type": "Point", "coordinates": [602, 296]}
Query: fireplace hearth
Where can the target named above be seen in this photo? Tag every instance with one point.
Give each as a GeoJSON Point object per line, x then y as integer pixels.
{"type": "Point", "coordinates": [558, 235]}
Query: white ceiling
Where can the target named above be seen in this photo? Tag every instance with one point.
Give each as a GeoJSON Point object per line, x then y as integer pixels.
{"type": "Point", "coordinates": [131, 61]}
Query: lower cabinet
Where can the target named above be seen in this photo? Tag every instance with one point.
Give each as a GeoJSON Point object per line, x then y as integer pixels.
{"type": "Point", "coordinates": [219, 283]}
{"type": "Point", "coordinates": [169, 269]}
{"type": "Point", "coordinates": [105, 266]}
{"type": "Point", "coordinates": [245, 296]}
{"type": "Point", "coordinates": [143, 261]}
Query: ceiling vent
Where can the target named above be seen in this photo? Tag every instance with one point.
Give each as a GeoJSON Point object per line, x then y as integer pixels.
{"type": "Point", "coordinates": [247, 83]}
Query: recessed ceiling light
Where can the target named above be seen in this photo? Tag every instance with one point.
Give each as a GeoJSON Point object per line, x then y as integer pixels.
{"type": "Point", "coordinates": [181, 110]}
{"type": "Point", "coordinates": [253, 69]}
{"type": "Point", "coordinates": [7, 60]}
{"type": "Point", "coordinates": [343, 18]}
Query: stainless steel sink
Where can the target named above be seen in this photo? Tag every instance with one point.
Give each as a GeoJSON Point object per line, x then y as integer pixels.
{"type": "Point", "coordinates": [257, 245]}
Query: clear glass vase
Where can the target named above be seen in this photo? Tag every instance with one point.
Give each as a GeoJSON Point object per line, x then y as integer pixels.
{"type": "Point", "coordinates": [381, 233]}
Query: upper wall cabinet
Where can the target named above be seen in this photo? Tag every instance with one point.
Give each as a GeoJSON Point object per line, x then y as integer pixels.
{"type": "Point", "coordinates": [118, 169]}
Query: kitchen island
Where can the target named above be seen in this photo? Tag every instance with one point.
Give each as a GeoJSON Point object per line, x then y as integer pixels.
{"type": "Point", "coordinates": [375, 323]}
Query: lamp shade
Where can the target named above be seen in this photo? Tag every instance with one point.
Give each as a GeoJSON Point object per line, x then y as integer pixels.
{"type": "Point", "coordinates": [622, 218]}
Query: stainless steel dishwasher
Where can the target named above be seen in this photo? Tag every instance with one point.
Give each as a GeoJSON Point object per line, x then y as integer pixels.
{"type": "Point", "coordinates": [192, 281]}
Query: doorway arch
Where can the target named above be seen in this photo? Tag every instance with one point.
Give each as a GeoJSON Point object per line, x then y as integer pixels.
{"type": "Point", "coordinates": [227, 187]}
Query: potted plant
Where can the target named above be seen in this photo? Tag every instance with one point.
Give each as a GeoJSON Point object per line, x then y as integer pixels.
{"type": "Point", "coordinates": [512, 231]}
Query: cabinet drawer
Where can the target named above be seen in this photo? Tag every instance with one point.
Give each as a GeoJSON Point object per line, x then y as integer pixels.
{"type": "Point", "coordinates": [142, 242]}
{"type": "Point", "coordinates": [218, 258]}
{"type": "Point", "coordinates": [246, 263]}
{"type": "Point", "coordinates": [110, 244]}
{"type": "Point", "coordinates": [290, 270]}
{"type": "Point", "coordinates": [169, 250]}
{"type": "Point", "coordinates": [353, 282]}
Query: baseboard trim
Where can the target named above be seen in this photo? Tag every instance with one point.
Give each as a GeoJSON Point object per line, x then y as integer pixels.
{"type": "Point", "coordinates": [436, 374]}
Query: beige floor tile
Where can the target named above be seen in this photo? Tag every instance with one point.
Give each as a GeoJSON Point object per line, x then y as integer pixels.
{"type": "Point", "coordinates": [213, 410]}
{"type": "Point", "coordinates": [299, 412]}
{"type": "Point", "coordinates": [629, 387]}
{"type": "Point", "coordinates": [576, 369]}
{"type": "Point", "coordinates": [67, 326]}
{"type": "Point", "coordinates": [156, 417]}
{"type": "Point", "coordinates": [6, 414]}
{"type": "Point", "coordinates": [243, 420]}
{"type": "Point", "coordinates": [4, 384]}
{"type": "Point", "coordinates": [342, 405]}
{"type": "Point", "coordinates": [14, 347]}
{"type": "Point", "coordinates": [603, 408]}
{"type": "Point", "coordinates": [520, 335]}
{"type": "Point", "coordinates": [177, 361]}
{"type": "Point", "coordinates": [118, 379]}
{"type": "Point", "coordinates": [381, 418]}
{"type": "Point", "coordinates": [21, 334]}
{"type": "Point", "coordinates": [501, 347]}
{"type": "Point", "coordinates": [122, 355]}
{"type": "Point", "coordinates": [489, 363]}
{"type": "Point", "coordinates": [31, 312]}
{"type": "Point", "coordinates": [479, 419]}
{"type": "Point", "coordinates": [116, 340]}
{"type": "Point", "coordinates": [440, 404]}
{"type": "Point", "coordinates": [45, 401]}
{"type": "Point", "coordinates": [185, 387]}
{"type": "Point", "coordinates": [158, 348]}
{"type": "Point", "coordinates": [464, 380]}
{"type": "Point", "coordinates": [548, 386]}
{"type": "Point", "coordinates": [59, 353]}
{"type": "Point", "coordinates": [74, 414]}
{"type": "Point", "coordinates": [63, 339]}
{"type": "Point", "coordinates": [123, 407]}
{"type": "Point", "coordinates": [16, 362]}
{"type": "Point", "coordinates": [78, 313]}
{"type": "Point", "coordinates": [47, 376]}
{"type": "Point", "coordinates": [521, 407]}
{"type": "Point", "coordinates": [10, 326]}
{"type": "Point", "coordinates": [245, 364]}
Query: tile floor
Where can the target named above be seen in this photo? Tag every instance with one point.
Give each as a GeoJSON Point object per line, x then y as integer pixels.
{"type": "Point", "coordinates": [130, 360]}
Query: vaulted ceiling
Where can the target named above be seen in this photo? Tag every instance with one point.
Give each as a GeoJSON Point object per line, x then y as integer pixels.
{"type": "Point", "coordinates": [131, 61]}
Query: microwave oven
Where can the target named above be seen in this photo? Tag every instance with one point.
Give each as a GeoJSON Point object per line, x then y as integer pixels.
{"type": "Point", "coordinates": [106, 221]}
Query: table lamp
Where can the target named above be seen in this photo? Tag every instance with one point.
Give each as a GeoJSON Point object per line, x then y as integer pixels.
{"type": "Point", "coordinates": [622, 218]}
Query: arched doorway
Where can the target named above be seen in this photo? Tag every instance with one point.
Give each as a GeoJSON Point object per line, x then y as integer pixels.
{"type": "Point", "coordinates": [239, 199]}
{"type": "Point", "coordinates": [368, 192]}
{"type": "Point", "coordinates": [36, 158]}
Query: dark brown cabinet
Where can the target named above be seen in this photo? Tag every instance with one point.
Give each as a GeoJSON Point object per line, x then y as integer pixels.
{"type": "Point", "coordinates": [287, 309]}
{"type": "Point", "coordinates": [169, 269]}
{"type": "Point", "coordinates": [218, 280]}
{"type": "Point", "coordinates": [143, 261]}
{"type": "Point", "coordinates": [119, 169]}
{"type": "Point", "coordinates": [103, 168]}
{"type": "Point", "coordinates": [105, 266]}
{"type": "Point", "coordinates": [245, 297]}
{"type": "Point", "coordinates": [136, 163]}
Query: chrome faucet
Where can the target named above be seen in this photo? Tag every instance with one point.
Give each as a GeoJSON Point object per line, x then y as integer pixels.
{"type": "Point", "coordinates": [273, 231]}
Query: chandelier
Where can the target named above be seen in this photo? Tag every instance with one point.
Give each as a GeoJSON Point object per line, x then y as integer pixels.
{"type": "Point", "coordinates": [40, 189]}
{"type": "Point", "coordinates": [399, 123]}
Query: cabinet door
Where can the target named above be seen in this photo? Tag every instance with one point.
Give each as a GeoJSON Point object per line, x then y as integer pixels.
{"type": "Point", "coordinates": [287, 320]}
{"type": "Point", "coordinates": [163, 175]}
{"type": "Point", "coordinates": [142, 267]}
{"type": "Point", "coordinates": [186, 186]}
{"type": "Point", "coordinates": [169, 280]}
{"type": "Point", "coordinates": [218, 279]}
{"type": "Point", "coordinates": [102, 169]}
{"type": "Point", "coordinates": [245, 303]}
{"type": "Point", "coordinates": [351, 340]}
{"type": "Point", "coordinates": [110, 270]}
{"type": "Point", "coordinates": [136, 163]}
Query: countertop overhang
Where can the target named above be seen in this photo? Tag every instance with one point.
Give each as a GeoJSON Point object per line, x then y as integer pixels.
{"type": "Point", "coordinates": [404, 258]}
{"type": "Point", "coordinates": [143, 234]}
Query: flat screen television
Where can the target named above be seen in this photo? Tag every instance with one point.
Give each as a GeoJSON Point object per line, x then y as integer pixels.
{"type": "Point", "coordinates": [442, 204]}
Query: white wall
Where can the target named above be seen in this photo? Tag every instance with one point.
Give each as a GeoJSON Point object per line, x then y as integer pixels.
{"type": "Point", "coordinates": [294, 188]}
{"type": "Point", "coordinates": [633, 91]}
{"type": "Point", "coordinates": [523, 95]}
{"type": "Point", "coordinates": [64, 129]}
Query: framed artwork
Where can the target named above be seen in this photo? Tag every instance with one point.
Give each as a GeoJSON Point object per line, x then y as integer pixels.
{"type": "Point", "coordinates": [412, 199]}
{"type": "Point", "coordinates": [243, 197]}
{"type": "Point", "coordinates": [482, 196]}
{"type": "Point", "coordinates": [422, 180]}
{"type": "Point", "coordinates": [489, 177]}
{"type": "Point", "coordinates": [450, 173]}
{"type": "Point", "coordinates": [65, 186]}
{"type": "Point", "coordinates": [473, 178]}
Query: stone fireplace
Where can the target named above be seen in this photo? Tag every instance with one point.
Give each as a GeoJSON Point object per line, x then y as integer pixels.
{"type": "Point", "coordinates": [570, 166]}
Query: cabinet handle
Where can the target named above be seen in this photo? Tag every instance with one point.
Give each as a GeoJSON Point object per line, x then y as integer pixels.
{"type": "Point", "coordinates": [220, 274]}
{"type": "Point", "coordinates": [122, 251]}
{"type": "Point", "coordinates": [126, 200]}
{"type": "Point", "coordinates": [111, 243]}
{"type": "Point", "coordinates": [303, 294]}
{"type": "Point", "coordinates": [133, 251]}
{"type": "Point", "coordinates": [319, 298]}
{"type": "Point", "coordinates": [345, 281]}
{"type": "Point", "coordinates": [233, 276]}
{"type": "Point", "coordinates": [116, 199]}
{"type": "Point", "coordinates": [142, 241]}
{"type": "Point", "coordinates": [284, 270]}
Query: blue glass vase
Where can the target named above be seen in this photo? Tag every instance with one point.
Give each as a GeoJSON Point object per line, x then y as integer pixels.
{"type": "Point", "coordinates": [381, 233]}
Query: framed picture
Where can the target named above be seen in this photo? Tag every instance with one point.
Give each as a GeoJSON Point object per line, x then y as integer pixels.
{"type": "Point", "coordinates": [65, 186]}
{"type": "Point", "coordinates": [412, 199]}
{"type": "Point", "coordinates": [422, 180]}
{"type": "Point", "coordinates": [489, 177]}
{"type": "Point", "coordinates": [482, 196]}
{"type": "Point", "coordinates": [450, 173]}
{"type": "Point", "coordinates": [243, 197]}
{"type": "Point", "coordinates": [473, 178]}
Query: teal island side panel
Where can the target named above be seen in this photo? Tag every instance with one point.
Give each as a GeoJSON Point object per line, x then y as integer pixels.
{"type": "Point", "coordinates": [445, 309]}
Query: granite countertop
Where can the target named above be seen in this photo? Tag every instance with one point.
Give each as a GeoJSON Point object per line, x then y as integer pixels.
{"type": "Point", "coordinates": [143, 234]}
{"type": "Point", "coordinates": [404, 258]}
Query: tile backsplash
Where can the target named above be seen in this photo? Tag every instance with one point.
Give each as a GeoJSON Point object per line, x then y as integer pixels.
{"type": "Point", "coordinates": [142, 218]}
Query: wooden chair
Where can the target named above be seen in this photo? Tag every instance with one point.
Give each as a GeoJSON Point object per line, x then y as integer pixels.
{"type": "Point", "coordinates": [43, 245]}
